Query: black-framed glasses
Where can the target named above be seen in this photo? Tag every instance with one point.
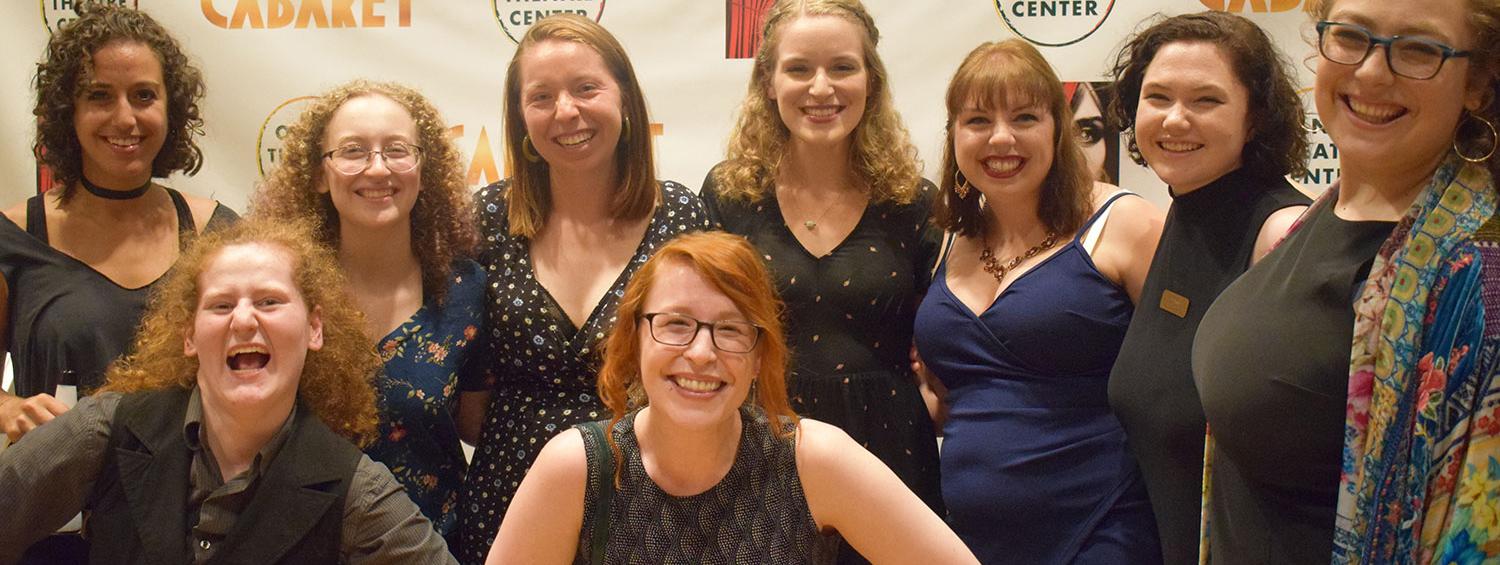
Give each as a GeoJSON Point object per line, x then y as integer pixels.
{"type": "Point", "coordinates": [1412, 57]}
{"type": "Point", "coordinates": [732, 336]}
{"type": "Point", "coordinates": [354, 159]}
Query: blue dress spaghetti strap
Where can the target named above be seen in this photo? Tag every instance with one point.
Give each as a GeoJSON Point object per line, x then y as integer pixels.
{"type": "Point", "coordinates": [1034, 465]}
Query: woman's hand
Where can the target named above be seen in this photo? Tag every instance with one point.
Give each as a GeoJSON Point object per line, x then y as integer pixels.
{"type": "Point", "coordinates": [934, 394]}
{"type": "Point", "coordinates": [20, 415]}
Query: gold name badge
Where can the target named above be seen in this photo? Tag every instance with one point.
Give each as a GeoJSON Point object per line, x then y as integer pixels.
{"type": "Point", "coordinates": [1174, 303]}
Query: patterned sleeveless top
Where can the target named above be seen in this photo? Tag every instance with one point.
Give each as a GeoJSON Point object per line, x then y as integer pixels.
{"type": "Point", "coordinates": [756, 514]}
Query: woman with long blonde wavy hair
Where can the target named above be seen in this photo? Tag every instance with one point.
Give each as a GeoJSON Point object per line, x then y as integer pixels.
{"type": "Point", "coordinates": [822, 177]}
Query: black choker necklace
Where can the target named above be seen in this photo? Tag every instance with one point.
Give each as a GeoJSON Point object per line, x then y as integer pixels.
{"type": "Point", "coordinates": [114, 194]}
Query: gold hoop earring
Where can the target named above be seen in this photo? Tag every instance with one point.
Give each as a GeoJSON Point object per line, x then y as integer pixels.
{"type": "Point", "coordinates": [529, 151]}
{"type": "Point", "coordinates": [960, 184]}
{"type": "Point", "coordinates": [1494, 139]}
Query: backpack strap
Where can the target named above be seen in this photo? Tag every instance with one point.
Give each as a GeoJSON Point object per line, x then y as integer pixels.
{"type": "Point", "coordinates": [602, 474]}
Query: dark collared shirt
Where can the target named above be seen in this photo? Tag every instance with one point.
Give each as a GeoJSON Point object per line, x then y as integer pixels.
{"type": "Point", "coordinates": [45, 477]}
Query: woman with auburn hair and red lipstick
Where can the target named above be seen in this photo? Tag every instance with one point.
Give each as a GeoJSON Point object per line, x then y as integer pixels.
{"type": "Point", "coordinates": [823, 179]}
{"type": "Point", "coordinates": [703, 460]}
{"type": "Point", "coordinates": [1383, 448]}
{"type": "Point", "coordinates": [1024, 319]}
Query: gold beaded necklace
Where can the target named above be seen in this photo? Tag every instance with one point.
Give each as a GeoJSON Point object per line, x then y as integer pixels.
{"type": "Point", "coordinates": [998, 270]}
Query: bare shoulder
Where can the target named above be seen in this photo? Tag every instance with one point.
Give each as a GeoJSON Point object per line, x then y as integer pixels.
{"type": "Point", "coordinates": [820, 444]}
{"type": "Point", "coordinates": [17, 213]}
{"type": "Point", "coordinates": [202, 209]}
{"type": "Point", "coordinates": [564, 457]}
{"type": "Point", "coordinates": [1274, 228]}
{"type": "Point", "coordinates": [1133, 218]}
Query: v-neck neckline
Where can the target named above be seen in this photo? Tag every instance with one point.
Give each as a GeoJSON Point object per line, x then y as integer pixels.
{"type": "Point", "coordinates": [578, 329]}
{"type": "Point", "coordinates": [864, 214]}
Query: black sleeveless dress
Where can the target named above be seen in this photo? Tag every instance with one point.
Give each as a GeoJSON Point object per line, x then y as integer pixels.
{"type": "Point", "coordinates": [66, 319]}
{"type": "Point", "coordinates": [756, 514]}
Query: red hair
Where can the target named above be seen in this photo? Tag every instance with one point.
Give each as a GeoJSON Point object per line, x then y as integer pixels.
{"type": "Point", "coordinates": [731, 265]}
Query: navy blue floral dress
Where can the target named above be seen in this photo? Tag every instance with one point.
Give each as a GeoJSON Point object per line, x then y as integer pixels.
{"type": "Point", "coordinates": [542, 368]}
{"type": "Point", "coordinates": [417, 395]}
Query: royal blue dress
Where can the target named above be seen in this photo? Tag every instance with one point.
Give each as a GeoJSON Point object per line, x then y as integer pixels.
{"type": "Point", "coordinates": [1034, 466]}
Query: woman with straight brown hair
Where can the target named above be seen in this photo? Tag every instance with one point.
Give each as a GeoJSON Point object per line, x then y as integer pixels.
{"type": "Point", "coordinates": [559, 239]}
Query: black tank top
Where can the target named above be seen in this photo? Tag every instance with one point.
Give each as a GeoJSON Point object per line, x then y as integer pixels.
{"type": "Point", "coordinates": [67, 321]}
{"type": "Point", "coordinates": [756, 514]}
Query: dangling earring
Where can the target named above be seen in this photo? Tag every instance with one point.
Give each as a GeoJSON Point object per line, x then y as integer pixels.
{"type": "Point", "coordinates": [1494, 139]}
{"type": "Point", "coordinates": [625, 130]}
{"type": "Point", "coordinates": [528, 150]}
{"type": "Point", "coordinates": [960, 184]}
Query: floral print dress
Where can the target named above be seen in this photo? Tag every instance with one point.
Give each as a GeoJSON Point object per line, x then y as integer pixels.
{"type": "Point", "coordinates": [417, 395]}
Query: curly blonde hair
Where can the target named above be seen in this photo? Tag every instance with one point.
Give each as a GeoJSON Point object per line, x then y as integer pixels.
{"type": "Point", "coordinates": [882, 155]}
{"type": "Point", "coordinates": [442, 223]}
{"type": "Point", "coordinates": [335, 380]}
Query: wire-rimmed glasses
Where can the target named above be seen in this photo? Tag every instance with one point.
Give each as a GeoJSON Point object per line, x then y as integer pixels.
{"type": "Point", "coordinates": [355, 159]}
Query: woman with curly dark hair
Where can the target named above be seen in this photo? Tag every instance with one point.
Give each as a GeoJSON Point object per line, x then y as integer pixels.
{"type": "Point", "coordinates": [822, 178]}
{"type": "Point", "coordinates": [229, 430]}
{"type": "Point", "coordinates": [370, 166]}
{"type": "Point", "coordinates": [1187, 88]}
{"type": "Point", "coordinates": [116, 106]}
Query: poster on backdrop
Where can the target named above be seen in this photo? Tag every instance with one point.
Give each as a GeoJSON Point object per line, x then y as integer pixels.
{"type": "Point", "coordinates": [264, 59]}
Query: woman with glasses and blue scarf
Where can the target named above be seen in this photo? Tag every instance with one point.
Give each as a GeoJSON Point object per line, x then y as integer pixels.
{"type": "Point", "coordinates": [371, 167]}
{"type": "Point", "coordinates": [1382, 448]}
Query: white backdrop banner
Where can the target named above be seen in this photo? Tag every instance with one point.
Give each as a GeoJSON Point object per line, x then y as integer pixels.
{"type": "Point", "coordinates": [262, 59]}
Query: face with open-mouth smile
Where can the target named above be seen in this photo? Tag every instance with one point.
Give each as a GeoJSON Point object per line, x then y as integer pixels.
{"type": "Point", "coordinates": [252, 329]}
{"type": "Point", "coordinates": [820, 82]}
{"type": "Point", "coordinates": [1383, 123]}
{"type": "Point", "coordinates": [378, 196]}
{"type": "Point", "coordinates": [1004, 149]}
{"type": "Point", "coordinates": [698, 384]}
{"type": "Point", "coordinates": [121, 115]}
{"type": "Point", "coordinates": [571, 104]}
{"type": "Point", "coordinates": [1192, 119]}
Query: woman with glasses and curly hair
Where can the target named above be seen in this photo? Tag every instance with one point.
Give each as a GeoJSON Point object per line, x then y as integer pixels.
{"type": "Point", "coordinates": [116, 106]}
{"type": "Point", "coordinates": [703, 460]}
{"type": "Point", "coordinates": [1383, 448]}
{"type": "Point", "coordinates": [823, 179]}
{"type": "Point", "coordinates": [371, 167]}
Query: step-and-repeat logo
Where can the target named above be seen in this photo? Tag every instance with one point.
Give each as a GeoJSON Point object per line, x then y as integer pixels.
{"type": "Point", "coordinates": [304, 14]}
{"type": "Point", "coordinates": [56, 12]}
{"type": "Point", "coordinates": [1054, 23]}
{"type": "Point", "coordinates": [273, 131]}
{"type": "Point", "coordinates": [516, 16]}
{"type": "Point", "coordinates": [1255, 6]}
{"type": "Point", "coordinates": [1322, 154]}
{"type": "Point", "coordinates": [742, 22]}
